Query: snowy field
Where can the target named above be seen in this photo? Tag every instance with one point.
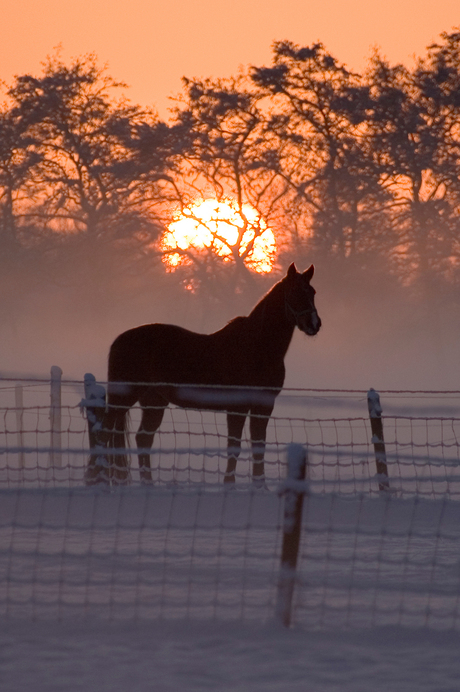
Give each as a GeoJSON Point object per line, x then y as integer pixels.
{"type": "Point", "coordinates": [175, 589]}
{"type": "Point", "coordinates": [173, 657]}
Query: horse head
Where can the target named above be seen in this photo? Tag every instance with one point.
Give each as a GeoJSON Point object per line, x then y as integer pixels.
{"type": "Point", "coordinates": [300, 300]}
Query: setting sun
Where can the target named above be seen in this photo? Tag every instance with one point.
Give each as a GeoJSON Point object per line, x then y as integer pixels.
{"type": "Point", "coordinates": [223, 229]}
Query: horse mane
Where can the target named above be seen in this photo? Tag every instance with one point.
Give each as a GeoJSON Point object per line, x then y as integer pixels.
{"type": "Point", "coordinates": [233, 325]}
{"type": "Point", "coordinates": [259, 309]}
{"type": "Point", "coordinates": [238, 319]}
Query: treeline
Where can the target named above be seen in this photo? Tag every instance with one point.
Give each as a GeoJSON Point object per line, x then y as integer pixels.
{"type": "Point", "coordinates": [360, 172]}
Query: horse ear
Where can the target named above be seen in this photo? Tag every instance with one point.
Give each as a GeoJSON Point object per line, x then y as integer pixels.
{"type": "Point", "coordinates": [308, 273]}
{"type": "Point", "coordinates": [292, 271]}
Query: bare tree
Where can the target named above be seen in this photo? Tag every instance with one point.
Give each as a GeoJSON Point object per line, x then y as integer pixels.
{"type": "Point", "coordinates": [18, 163]}
{"type": "Point", "coordinates": [226, 162]}
{"type": "Point", "coordinates": [87, 194]}
{"type": "Point", "coordinates": [415, 140]}
{"type": "Point", "coordinates": [319, 115]}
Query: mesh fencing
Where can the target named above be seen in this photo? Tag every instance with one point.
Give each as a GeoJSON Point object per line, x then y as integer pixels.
{"type": "Point", "coordinates": [422, 439]}
{"type": "Point", "coordinates": [165, 553]}
{"type": "Point", "coordinates": [187, 548]}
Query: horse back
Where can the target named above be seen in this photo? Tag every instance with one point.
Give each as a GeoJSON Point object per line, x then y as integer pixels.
{"type": "Point", "coordinates": [168, 353]}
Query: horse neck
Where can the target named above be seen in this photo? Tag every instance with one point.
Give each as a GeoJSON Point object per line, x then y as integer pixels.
{"type": "Point", "coordinates": [270, 321]}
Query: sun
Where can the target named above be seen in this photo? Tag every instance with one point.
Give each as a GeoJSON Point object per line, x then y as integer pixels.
{"type": "Point", "coordinates": [219, 227]}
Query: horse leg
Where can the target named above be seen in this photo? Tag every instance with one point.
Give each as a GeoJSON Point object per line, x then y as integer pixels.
{"type": "Point", "coordinates": [151, 420]}
{"type": "Point", "coordinates": [119, 466]}
{"type": "Point", "coordinates": [235, 425]}
{"type": "Point", "coordinates": [105, 465]}
{"type": "Point", "coordinates": [97, 470]}
{"type": "Point", "coordinates": [115, 429]}
{"type": "Point", "coordinates": [258, 429]}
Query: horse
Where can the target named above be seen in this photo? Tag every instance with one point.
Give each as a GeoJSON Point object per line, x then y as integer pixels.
{"type": "Point", "coordinates": [238, 369]}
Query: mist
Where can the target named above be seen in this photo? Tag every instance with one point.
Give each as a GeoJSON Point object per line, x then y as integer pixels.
{"type": "Point", "coordinates": [374, 334]}
{"type": "Point", "coordinates": [81, 263]}
{"type": "Point", "coordinates": [378, 334]}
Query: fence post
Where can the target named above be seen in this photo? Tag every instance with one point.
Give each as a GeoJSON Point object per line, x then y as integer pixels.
{"type": "Point", "coordinates": [294, 489]}
{"type": "Point", "coordinates": [375, 415]}
{"type": "Point", "coordinates": [19, 404]}
{"type": "Point", "coordinates": [55, 416]}
{"type": "Point", "coordinates": [94, 405]}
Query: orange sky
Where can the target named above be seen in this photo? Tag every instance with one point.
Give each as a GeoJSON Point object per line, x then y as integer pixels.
{"type": "Point", "coordinates": [151, 44]}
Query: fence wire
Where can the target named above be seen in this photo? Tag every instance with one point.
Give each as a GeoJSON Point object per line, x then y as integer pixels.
{"type": "Point", "coordinates": [198, 554]}
{"type": "Point", "coordinates": [423, 452]}
{"type": "Point", "coordinates": [188, 548]}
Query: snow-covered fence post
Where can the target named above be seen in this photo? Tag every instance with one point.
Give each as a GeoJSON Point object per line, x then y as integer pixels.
{"type": "Point", "coordinates": [55, 416]}
{"type": "Point", "coordinates": [94, 405]}
{"type": "Point", "coordinates": [375, 415]}
{"type": "Point", "coordinates": [19, 405]}
{"type": "Point", "coordinates": [294, 488]}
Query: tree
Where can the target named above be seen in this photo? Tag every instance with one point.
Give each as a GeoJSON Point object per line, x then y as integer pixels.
{"type": "Point", "coordinates": [18, 242]}
{"type": "Point", "coordinates": [320, 111]}
{"type": "Point", "coordinates": [226, 161]}
{"type": "Point", "coordinates": [415, 139]}
{"type": "Point", "coordinates": [76, 128]}
{"type": "Point", "coordinates": [18, 162]}
{"type": "Point", "coordinates": [89, 193]}
{"type": "Point", "coordinates": [438, 82]}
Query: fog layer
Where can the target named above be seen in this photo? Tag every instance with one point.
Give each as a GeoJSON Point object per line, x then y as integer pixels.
{"type": "Point", "coordinates": [374, 334]}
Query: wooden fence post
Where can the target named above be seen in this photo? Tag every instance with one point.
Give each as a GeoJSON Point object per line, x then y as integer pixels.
{"type": "Point", "coordinates": [375, 415]}
{"type": "Point", "coordinates": [94, 405]}
{"type": "Point", "coordinates": [19, 404]}
{"type": "Point", "coordinates": [55, 416]}
{"type": "Point", "coordinates": [294, 489]}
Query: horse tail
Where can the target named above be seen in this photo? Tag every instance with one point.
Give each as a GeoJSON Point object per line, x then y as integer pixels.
{"type": "Point", "coordinates": [121, 396]}
{"type": "Point", "coordinates": [111, 464]}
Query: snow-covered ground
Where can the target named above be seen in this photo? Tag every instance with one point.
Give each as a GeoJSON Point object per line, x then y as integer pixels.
{"type": "Point", "coordinates": [200, 554]}
{"type": "Point", "coordinates": [173, 657]}
{"type": "Point", "coordinates": [174, 589]}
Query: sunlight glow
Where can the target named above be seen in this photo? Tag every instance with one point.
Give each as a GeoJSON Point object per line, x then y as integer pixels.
{"type": "Point", "coordinates": [221, 228]}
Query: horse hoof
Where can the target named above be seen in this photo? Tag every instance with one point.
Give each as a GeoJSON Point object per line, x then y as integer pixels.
{"type": "Point", "coordinates": [121, 478]}
{"type": "Point", "coordinates": [97, 476]}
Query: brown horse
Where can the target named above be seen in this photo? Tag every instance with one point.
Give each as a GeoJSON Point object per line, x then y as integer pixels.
{"type": "Point", "coordinates": [238, 369]}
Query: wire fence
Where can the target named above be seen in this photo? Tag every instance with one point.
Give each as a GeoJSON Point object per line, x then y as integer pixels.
{"type": "Point", "coordinates": [188, 548]}
{"type": "Point", "coordinates": [421, 436]}
{"type": "Point", "coordinates": [189, 553]}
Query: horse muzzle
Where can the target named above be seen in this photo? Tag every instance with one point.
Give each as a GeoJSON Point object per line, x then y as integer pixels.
{"type": "Point", "coordinates": [310, 324]}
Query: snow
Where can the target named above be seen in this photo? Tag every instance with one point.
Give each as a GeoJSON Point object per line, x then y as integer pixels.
{"type": "Point", "coordinates": [174, 588]}
{"type": "Point", "coordinates": [94, 393]}
{"type": "Point", "coordinates": [194, 657]}
{"type": "Point", "coordinates": [296, 459]}
{"type": "Point", "coordinates": [373, 404]}
{"type": "Point", "coordinates": [166, 589]}
{"type": "Point", "coordinates": [162, 553]}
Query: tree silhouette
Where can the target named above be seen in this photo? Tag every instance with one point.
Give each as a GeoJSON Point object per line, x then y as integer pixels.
{"type": "Point", "coordinates": [18, 164]}
{"type": "Point", "coordinates": [226, 160]}
{"type": "Point", "coordinates": [319, 116]}
{"type": "Point", "coordinates": [76, 129]}
{"type": "Point", "coordinates": [414, 140]}
{"type": "Point", "coordinates": [88, 196]}
{"type": "Point", "coordinates": [360, 171]}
